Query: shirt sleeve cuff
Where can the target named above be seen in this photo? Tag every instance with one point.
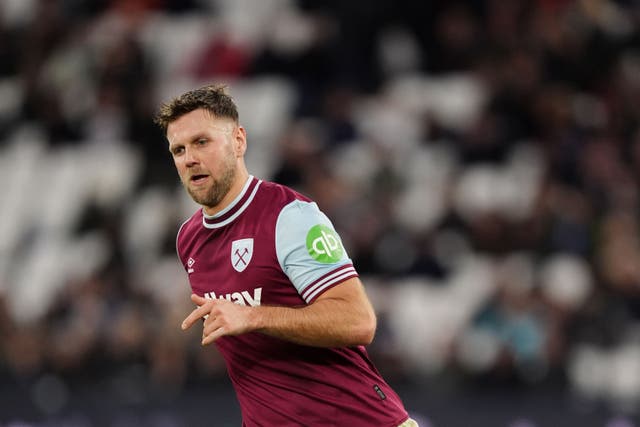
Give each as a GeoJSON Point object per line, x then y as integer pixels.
{"type": "Point", "coordinates": [328, 281]}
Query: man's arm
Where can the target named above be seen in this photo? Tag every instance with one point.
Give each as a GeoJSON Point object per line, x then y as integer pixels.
{"type": "Point", "coordinates": [341, 316]}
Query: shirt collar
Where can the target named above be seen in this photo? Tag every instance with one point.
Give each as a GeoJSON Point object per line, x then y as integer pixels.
{"type": "Point", "coordinates": [235, 208]}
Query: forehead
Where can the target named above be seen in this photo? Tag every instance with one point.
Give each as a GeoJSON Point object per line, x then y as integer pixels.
{"type": "Point", "coordinates": [195, 123]}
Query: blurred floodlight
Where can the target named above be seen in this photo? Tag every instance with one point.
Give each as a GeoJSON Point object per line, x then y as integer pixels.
{"type": "Point", "coordinates": [624, 379]}
{"type": "Point", "coordinates": [477, 192]}
{"type": "Point", "coordinates": [427, 172]}
{"type": "Point", "coordinates": [426, 317]}
{"type": "Point", "coordinates": [355, 163]}
{"type": "Point", "coordinates": [17, 12]}
{"type": "Point", "coordinates": [25, 148]}
{"type": "Point", "coordinates": [478, 350]}
{"type": "Point", "coordinates": [508, 190]}
{"type": "Point", "coordinates": [292, 32]}
{"type": "Point", "coordinates": [612, 374]}
{"type": "Point", "coordinates": [454, 100]}
{"type": "Point", "coordinates": [566, 279]}
{"type": "Point", "coordinates": [113, 170]}
{"type": "Point", "coordinates": [145, 226]}
{"type": "Point", "coordinates": [386, 124]}
{"type": "Point", "coordinates": [588, 370]}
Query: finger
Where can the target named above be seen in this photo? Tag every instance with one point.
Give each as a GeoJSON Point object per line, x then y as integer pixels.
{"type": "Point", "coordinates": [198, 299]}
{"type": "Point", "coordinates": [213, 336]}
{"type": "Point", "coordinates": [195, 315]}
{"type": "Point", "coordinates": [210, 325]}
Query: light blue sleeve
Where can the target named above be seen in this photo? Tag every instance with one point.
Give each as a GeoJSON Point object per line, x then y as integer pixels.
{"type": "Point", "coordinates": [307, 244]}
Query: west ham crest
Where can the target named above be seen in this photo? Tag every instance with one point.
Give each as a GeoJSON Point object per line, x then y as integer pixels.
{"type": "Point", "coordinates": [241, 252]}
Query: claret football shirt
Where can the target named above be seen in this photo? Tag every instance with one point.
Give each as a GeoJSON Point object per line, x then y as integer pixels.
{"type": "Point", "coordinates": [273, 246]}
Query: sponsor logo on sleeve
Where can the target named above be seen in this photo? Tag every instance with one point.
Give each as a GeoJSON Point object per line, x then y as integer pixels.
{"type": "Point", "coordinates": [323, 244]}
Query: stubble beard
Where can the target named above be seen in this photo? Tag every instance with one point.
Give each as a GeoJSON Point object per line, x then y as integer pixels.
{"type": "Point", "coordinates": [218, 190]}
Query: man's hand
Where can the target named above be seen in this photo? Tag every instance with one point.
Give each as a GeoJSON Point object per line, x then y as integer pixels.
{"type": "Point", "coordinates": [222, 318]}
{"type": "Point", "coordinates": [341, 317]}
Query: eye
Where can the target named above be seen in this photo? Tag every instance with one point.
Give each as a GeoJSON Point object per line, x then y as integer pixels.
{"type": "Point", "coordinates": [201, 141]}
{"type": "Point", "coordinates": [176, 151]}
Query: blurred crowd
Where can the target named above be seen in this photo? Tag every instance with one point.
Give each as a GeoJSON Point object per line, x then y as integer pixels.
{"type": "Point", "coordinates": [480, 159]}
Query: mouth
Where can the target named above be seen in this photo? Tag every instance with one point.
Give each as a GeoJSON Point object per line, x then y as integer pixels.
{"type": "Point", "coordinates": [198, 178]}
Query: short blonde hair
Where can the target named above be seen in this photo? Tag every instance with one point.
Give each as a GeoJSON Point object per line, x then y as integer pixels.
{"type": "Point", "coordinates": [213, 98]}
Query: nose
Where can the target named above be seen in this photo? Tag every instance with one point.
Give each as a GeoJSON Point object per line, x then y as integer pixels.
{"type": "Point", "coordinates": [190, 157]}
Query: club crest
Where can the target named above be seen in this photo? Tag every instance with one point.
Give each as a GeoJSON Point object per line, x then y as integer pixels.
{"type": "Point", "coordinates": [241, 252]}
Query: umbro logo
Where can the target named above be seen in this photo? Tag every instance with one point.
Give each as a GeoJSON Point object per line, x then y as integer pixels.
{"type": "Point", "coordinates": [190, 263]}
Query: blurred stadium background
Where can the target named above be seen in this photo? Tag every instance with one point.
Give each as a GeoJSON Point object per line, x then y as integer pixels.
{"type": "Point", "coordinates": [481, 160]}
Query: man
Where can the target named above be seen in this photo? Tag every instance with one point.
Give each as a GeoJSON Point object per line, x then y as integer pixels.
{"type": "Point", "coordinates": [277, 291]}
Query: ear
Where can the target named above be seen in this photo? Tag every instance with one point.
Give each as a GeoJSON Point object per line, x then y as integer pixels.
{"type": "Point", "coordinates": [240, 139]}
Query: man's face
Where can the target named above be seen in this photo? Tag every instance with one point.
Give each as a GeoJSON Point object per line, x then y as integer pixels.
{"type": "Point", "coordinates": [206, 151]}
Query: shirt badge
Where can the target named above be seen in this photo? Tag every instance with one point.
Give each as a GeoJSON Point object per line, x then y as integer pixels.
{"type": "Point", "coordinates": [241, 252]}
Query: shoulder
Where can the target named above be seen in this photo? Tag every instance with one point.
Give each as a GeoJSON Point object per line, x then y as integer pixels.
{"type": "Point", "coordinates": [273, 199]}
{"type": "Point", "coordinates": [188, 229]}
{"type": "Point", "coordinates": [278, 192]}
{"type": "Point", "coordinates": [192, 222]}
{"type": "Point", "coordinates": [294, 210]}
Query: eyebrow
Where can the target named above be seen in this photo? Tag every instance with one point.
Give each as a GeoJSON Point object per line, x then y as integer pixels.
{"type": "Point", "coordinates": [192, 138]}
{"type": "Point", "coordinates": [198, 136]}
